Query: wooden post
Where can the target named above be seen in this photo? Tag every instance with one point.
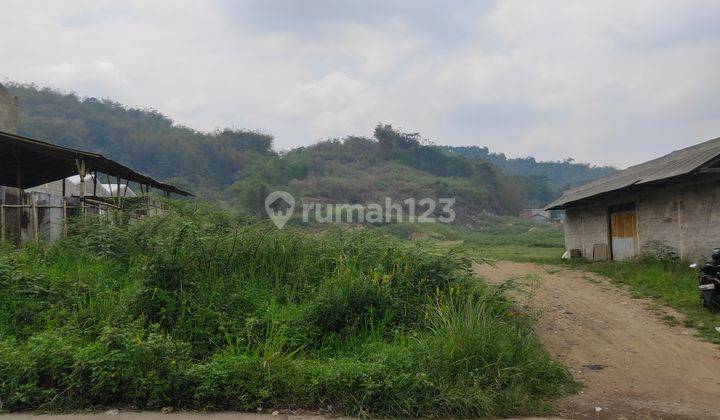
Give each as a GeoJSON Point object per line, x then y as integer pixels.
{"type": "Point", "coordinates": [63, 188]}
{"type": "Point", "coordinates": [81, 171]}
{"type": "Point", "coordinates": [64, 216]}
{"type": "Point", "coordinates": [34, 211]}
{"type": "Point", "coordinates": [18, 167]}
{"type": "Point", "coordinates": [120, 203]}
{"type": "Point", "coordinates": [109, 184]}
{"type": "Point", "coordinates": [95, 184]}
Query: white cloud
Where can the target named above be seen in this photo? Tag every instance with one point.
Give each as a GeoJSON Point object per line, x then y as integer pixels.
{"type": "Point", "coordinates": [334, 105]}
{"type": "Point", "coordinates": [550, 79]}
{"type": "Point", "coordinates": [102, 76]}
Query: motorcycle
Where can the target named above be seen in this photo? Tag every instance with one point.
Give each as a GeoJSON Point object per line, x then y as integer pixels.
{"type": "Point", "coordinates": [709, 285]}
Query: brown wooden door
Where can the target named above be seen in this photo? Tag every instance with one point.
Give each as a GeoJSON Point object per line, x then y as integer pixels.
{"type": "Point", "coordinates": [623, 231]}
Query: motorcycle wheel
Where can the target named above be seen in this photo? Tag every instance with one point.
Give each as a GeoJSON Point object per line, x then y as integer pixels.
{"type": "Point", "coordinates": [710, 301]}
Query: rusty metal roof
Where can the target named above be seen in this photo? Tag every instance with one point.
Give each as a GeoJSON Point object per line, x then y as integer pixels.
{"type": "Point", "coordinates": [34, 162]}
{"type": "Point", "coordinates": [677, 163]}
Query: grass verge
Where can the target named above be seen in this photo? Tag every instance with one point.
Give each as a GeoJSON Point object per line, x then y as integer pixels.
{"type": "Point", "coordinates": [667, 283]}
{"type": "Point", "coordinates": [493, 237]}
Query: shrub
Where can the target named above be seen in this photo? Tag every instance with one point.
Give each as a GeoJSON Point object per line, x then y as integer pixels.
{"type": "Point", "coordinates": [194, 311]}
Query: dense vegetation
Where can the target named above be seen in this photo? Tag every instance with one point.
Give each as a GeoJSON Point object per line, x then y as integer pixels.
{"type": "Point", "coordinates": [191, 310]}
{"type": "Point", "coordinates": [559, 174]}
{"type": "Point", "coordinates": [237, 168]}
{"type": "Point", "coordinates": [142, 138]}
{"type": "Point", "coordinates": [390, 164]}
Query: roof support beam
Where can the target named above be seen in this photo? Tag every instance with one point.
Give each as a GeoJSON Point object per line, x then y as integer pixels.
{"type": "Point", "coordinates": [26, 163]}
{"type": "Point", "coordinates": [81, 172]}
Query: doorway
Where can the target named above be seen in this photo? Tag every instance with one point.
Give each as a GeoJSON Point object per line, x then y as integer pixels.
{"type": "Point", "coordinates": [623, 231]}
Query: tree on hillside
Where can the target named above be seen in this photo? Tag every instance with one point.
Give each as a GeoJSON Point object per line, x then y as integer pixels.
{"type": "Point", "coordinates": [558, 174]}
{"type": "Point", "coordinates": [239, 167]}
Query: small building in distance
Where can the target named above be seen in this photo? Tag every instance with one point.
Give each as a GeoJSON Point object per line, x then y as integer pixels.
{"type": "Point", "coordinates": [669, 205]}
{"type": "Point", "coordinates": [536, 215]}
{"type": "Point", "coordinates": [543, 216]}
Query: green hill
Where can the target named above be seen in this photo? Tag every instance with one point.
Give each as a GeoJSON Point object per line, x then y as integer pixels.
{"type": "Point", "coordinates": [237, 168]}
{"type": "Point", "coordinates": [144, 139]}
{"type": "Point", "coordinates": [560, 175]}
{"type": "Point", "coordinates": [389, 164]}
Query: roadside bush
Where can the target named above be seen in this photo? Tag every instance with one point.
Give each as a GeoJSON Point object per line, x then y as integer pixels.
{"type": "Point", "coordinates": [659, 251]}
{"type": "Point", "coordinates": [194, 311]}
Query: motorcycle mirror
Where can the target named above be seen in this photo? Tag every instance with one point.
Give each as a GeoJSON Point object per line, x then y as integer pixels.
{"type": "Point", "coordinates": [693, 265]}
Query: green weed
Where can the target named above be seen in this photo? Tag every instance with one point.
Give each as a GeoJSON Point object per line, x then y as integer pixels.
{"type": "Point", "coordinates": [194, 310]}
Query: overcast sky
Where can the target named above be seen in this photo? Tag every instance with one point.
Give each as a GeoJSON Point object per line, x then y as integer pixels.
{"type": "Point", "coordinates": [611, 82]}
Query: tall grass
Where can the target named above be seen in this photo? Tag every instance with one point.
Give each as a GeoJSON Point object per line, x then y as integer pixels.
{"type": "Point", "coordinates": [195, 311]}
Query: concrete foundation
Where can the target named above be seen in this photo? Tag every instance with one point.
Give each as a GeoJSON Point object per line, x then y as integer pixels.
{"type": "Point", "coordinates": [27, 216]}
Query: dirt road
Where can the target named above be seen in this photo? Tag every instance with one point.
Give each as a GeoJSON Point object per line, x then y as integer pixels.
{"type": "Point", "coordinates": [631, 362]}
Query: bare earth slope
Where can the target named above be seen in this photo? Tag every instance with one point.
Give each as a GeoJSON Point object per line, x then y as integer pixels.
{"type": "Point", "coordinates": [632, 364]}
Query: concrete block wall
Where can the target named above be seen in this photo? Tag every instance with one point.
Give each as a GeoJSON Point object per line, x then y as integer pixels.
{"type": "Point", "coordinates": [40, 217]}
{"type": "Point", "coordinates": [586, 226]}
{"type": "Point", "coordinates": [50, 215]}
{"type": "Point", "coordinates": [683, 216]}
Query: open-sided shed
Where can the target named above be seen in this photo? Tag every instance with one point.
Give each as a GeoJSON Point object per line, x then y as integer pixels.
{"type": "Point", "coordinates": [37, 214]}
{"type": "Point", "coordinates": [26, 163]}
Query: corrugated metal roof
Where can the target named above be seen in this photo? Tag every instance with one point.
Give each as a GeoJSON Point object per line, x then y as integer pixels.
{"type": "Point", "coordinates": [34, 162]}
{"type": "Point", "coordinates": [679, 162]}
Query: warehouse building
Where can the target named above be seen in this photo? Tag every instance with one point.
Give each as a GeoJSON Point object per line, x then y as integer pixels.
{"type": "Point", "coordinates": [670, 204]}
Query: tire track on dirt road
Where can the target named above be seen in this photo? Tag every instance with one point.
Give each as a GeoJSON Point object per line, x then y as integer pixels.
{"type": "Point", "coordinates": [631, 363]}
